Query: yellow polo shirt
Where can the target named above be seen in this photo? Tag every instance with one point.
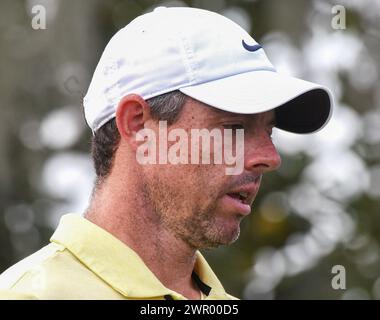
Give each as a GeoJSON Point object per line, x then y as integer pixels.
{"type": "Point", "coordinates": [83, 261]}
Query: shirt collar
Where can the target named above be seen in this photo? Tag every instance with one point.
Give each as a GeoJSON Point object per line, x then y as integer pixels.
{"type": "Point", "coordinates": [120, 266]}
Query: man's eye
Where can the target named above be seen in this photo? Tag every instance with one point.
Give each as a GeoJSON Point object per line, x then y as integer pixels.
{"type": "Point", "coordinates": [233, 126]}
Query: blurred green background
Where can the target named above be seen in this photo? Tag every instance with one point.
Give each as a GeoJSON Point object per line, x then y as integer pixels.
{"type": "Point", "coordinates": [319, 210]}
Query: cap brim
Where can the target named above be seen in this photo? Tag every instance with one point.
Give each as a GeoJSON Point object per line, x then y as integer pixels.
{"type": "Point", "coordinates": [300, 106]}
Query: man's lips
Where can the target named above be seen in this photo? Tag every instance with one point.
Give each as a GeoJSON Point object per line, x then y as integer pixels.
{"type": "Point", "coordinates": [235, 205]}
{"type": "Point", "coordinates": [242, 197]}
{"type": "Point", "coordinates": [247, 189]}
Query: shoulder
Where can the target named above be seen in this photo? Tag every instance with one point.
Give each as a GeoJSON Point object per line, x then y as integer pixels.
{"type": "Point", "coordinates": [7, 294]}
{"type": "Point", "coordinates": [11, 278]}
{"type": "Point", "coordinates": [13, 274]}
{"type": "Point", "coordinates": [52, 273]}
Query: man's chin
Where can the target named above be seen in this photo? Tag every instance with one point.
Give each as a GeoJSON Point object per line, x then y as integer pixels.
{"type": "Point", "coordinates": [222, 239]}
{"type": "Point", "coordinates": [232, 237]}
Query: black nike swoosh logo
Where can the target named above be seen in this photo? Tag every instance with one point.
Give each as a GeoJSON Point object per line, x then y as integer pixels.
{"type": "Point", "coordinates": [248, 47]}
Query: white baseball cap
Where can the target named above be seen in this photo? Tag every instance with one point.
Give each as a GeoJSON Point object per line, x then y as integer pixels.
{"type": "Point", "coordinates": [207, 57]}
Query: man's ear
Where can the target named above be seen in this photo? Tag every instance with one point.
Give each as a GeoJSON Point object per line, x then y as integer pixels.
{"type": "Point", "coordinates": [131, 114]}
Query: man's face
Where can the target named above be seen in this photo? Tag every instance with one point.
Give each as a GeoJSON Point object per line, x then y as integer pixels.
{"type": "Point", "coordinates": [200, 203]}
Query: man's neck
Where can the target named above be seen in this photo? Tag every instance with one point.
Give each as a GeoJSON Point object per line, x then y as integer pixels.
{"type": "Point", "coordinates": [168, 257]}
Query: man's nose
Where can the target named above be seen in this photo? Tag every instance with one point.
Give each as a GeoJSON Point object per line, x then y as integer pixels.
{"type": "Point", "coordinates": [261, 155]}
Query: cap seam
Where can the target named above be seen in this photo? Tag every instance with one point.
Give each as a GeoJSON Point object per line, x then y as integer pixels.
{"type": "Point", "coordinates": [270, 69]}
{"type": "Point", "coordinates": [189, 59]}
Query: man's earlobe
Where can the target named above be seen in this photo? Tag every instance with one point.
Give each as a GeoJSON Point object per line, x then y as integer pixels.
{"type": "Point", "coordinates": [131, 114]}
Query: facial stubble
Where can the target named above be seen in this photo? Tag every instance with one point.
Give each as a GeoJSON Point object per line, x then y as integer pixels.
{"type": "Point", "coordinates": [195, 222]}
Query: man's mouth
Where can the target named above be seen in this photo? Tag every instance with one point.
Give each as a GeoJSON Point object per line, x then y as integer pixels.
{"type": "Point", "coordinates": [233, 202]}
{"type": "Point", "coordinates": [246, 193]}
{"type": "Point", "coordinates": [241, 198]}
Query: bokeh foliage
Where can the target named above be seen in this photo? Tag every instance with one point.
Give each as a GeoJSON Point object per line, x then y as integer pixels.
{"type": "Point", "coordinates": [45, 73]}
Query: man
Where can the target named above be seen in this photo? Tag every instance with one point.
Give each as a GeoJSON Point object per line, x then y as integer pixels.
{"type": "Point", "coordinates": [139, 238]}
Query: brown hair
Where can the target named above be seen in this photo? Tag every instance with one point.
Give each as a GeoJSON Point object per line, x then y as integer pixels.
{"type": "Point", "coordinates": [106, 139]}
